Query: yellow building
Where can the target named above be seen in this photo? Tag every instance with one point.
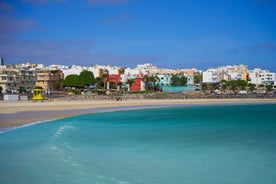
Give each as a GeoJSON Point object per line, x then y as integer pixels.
{"type": "Point", "coordinates": [245, 76]}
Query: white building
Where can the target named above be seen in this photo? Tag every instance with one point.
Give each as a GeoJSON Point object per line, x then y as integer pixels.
{"type": "Point", "coordinates": [75, 69]}
{"type": "Point", "coordinates": [96, 70]}
{"type": "Point", "coordinates": [12, 78]}
{"type": "Point", "coordinates": [210, 76]}
{"type": "Point", "coordinates": [258, 76]}
{"type": "Point", "coordinates": [235, 72]}
{"type": "Point", "coordinates": [234, 75]}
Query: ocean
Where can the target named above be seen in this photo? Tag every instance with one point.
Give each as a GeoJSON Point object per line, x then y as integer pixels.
{"type": "Point", "coordinates": [201, 144]}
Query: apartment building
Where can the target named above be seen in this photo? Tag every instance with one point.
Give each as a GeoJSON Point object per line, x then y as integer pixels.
{"type": "Point", "coordinates": [210, 76]}
{"type": "Point", "coordinates": [235, 72]}
{"type": "Point", "coordinates": [49, 80]}
{"type": "Point", "coordinates": [164, 79]}
{"type": "Point", "coordinates": [13, 78]}
{"type": "Point", "coordinates": [258, 77]}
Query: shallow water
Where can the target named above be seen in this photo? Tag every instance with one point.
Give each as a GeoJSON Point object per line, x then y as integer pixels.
{"type": "Point", "coordinates": [194, 144]}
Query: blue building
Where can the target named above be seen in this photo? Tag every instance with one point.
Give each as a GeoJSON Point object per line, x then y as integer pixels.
{"type": "Point", "coordinates": [165, 80]}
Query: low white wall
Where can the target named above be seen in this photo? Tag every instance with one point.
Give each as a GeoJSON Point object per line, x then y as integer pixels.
{"type": "Point", "coordinates": [23, 98]}
{"type": "Point", "coordinates": [11, 97]}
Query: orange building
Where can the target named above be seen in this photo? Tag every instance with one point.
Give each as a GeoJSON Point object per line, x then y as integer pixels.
{"type": "Point", "coordinates": [49, 80]}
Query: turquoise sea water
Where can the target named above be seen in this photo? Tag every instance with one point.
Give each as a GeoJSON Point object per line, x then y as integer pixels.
{"type": "Point", "coordinates": [230, 144]}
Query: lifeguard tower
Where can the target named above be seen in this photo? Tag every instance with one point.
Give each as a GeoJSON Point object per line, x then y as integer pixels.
{"type": "Point", "coordinates": [37, 95]}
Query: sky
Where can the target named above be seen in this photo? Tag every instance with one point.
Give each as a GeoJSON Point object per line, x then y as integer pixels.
{"type": "Point", "coordinates": [167, 33]}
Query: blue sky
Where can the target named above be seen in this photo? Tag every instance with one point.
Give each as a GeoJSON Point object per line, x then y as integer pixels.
{"type": "Point", "coordinates": [166, 33]}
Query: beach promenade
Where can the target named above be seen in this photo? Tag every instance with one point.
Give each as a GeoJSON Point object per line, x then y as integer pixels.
{"type": "Point", "coordinates": [16, 114]}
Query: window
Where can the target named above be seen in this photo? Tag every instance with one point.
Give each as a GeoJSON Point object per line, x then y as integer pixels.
{"type": "Point", "coordinates": [4, 78]}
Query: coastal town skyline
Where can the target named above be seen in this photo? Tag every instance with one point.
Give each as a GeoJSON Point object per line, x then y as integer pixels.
{"type": "Point", "coordinates": [84, 67]}
{"type": "Point", "coordinates": [168, 34]}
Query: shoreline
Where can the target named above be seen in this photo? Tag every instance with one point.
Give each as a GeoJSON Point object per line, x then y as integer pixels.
{"type": "Point", "coordinates": [22, 113]}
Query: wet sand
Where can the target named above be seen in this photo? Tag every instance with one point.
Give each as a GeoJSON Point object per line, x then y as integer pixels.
{"type": "Point", "coordinates": [16, 114]}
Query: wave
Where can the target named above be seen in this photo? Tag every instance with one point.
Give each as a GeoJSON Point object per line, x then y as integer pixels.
{"type": "Point", "coordinates": [112, 179]}
{"type": "Point", "coordinates": [62, 129]}
{"type": "Point", "coordinates": [24, 126]}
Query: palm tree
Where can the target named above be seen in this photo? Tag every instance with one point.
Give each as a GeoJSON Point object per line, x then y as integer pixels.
{"type": "Point", "coordinates": [261, 86]}
{"type": "Point", "coordinates": [269, 88]}
{"type": "Point", "coordinates": [146, 81]}
{"type": "Point", "coordinates": [214, 86]}
{"type": "Point", "coordinates": [198, 78]}
{"type": "Point", "coordinates": [232, 85]}
{"type": "Point", "coordinates": [154, 79]}
{"type": "Point", "coordinates": [119, 85]}
{"type": "Point", "coordinates": [241, 84]}
{"type": "Point", "coordinates": [223, 85]}
{"type": "Point", "coordinates": [130, 82]}
{"type": "Point", "coordinates": [252, 87]}
{"type": "Point", "coordinates": [104, 77]}
{"type": "Point", "coordinates": [204, 87]}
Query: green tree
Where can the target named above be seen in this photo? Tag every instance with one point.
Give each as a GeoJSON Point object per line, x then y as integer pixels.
{"type": "Point", "coordinates": [261, 86]}
{"type": "Point", "coordinates": [146, 81]}
{"type": "Point", "coordinates": [119, 84]}
{"type": "Point", "coordinates": [99, 82]}
{"type": "Point", "coordinates": [153, 79]}
{"type": "Point", "coordinates": [269, 88]}
{"type": "Point", "coordinates": [105, 78]}
{"type": "Point", "coordinates": [178, 81]}
{"type": "Point", "coordinates": [183, 80]}
{"type": "Point", "coordinates": [232, 85]}
{"type": "Point", "coordinates": [241, 84]}
{"type": "Point", "coordinates": [197, 78]}
{"type": "Point", "coordinates": [112, 85]}
{"type": "Point", "coordinates": [175, 80]}
{"type": "Point", "coordinates": [204, 87]}
{"type": "Point", "coordinates": [251, 87]}
{"type": "Point", "coordinates": [223, 85]}
{"type": "Point", "coordinates": [214, 86]}
{"type": "Point", "coordinates": [1, 89]}
{"type": "Point", "coordinates": [87, 78]}
{"type": "Point", "coordinates": [72, 81]}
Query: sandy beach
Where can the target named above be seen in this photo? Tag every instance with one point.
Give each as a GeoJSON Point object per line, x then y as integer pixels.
{"type": "Point", "coordinates": [16, 114]}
